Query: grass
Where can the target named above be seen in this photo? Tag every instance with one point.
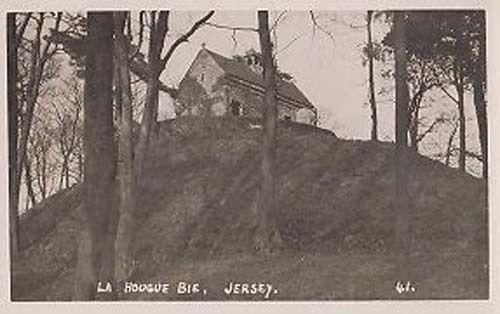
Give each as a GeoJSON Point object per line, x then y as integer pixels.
{"type": "Point", "coordinates": [196, 220]}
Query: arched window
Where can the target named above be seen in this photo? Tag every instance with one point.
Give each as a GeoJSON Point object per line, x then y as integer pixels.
{"type": "Point", "coordinates": [236, 109]}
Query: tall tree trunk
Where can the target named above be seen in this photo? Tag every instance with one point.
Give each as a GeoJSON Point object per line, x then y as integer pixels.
{"type": "Point", "coordinates": [402, 199]}
{"type": "Point", "coordinates": [268, 236]}
{"type": "Point", "coordinates": [95, 256]}
{"type": "Point", "coordinates": [141, 151]}
{"type": "Point", "coordinates": [125, 149]}
{"type": "Point", "coordinates": [459, 85]}
{"type": "Point", "coordinates": [156, 65]}
{"type": "Point", "coordinates": [32, 90]}
{"type": "Point", "coordinates": [371, 82]}
{"type": "Point", "coordinates": [156, 41]}
{"type": "Point", "coordinates": [12, 120]}
{"type": "Point", "coordinates": [482, 121]}
{"type": "Point", "coordinates": [479, 84]}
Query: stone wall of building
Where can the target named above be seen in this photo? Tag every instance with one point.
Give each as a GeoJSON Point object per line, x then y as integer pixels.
{"type": "Point", "coordinates": [251, 102]}
{"type": "Point", "coordinates": [205, 90]}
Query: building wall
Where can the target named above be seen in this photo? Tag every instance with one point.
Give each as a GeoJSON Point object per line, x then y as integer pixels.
{"type": "Point", "coordinates": [307, 116]}
{"type": "Point", "coordinates": [218, 93]}
{"type": "Point", "coordinates": [197, 89]}
{"type": "Point", "coordinates": [205, 71]}
{"type": "Point", "coordinates": [251, 102]}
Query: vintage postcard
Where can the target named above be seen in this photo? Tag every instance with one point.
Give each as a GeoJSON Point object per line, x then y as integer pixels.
{"type": "Point", "coordinates": [212, 154]}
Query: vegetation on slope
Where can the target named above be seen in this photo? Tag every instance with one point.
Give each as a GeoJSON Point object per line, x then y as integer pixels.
{"type": "Point", "coordinates": [196, 219]}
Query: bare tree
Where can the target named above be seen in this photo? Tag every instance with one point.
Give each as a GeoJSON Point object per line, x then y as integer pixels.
{"type": "Point", "coordinates": [459, 77]}
{"type": "Point", "coordinates": [95, 255]}
{"type": "Point", "coordinates": [423, 76]}
{"type": "Point", "coordinates": [67, 117]}
{"type": "Point", "coordinates": [12, 73]}
{"type": "Point", "coordinates": [156, 65]}
{"type": "Point", "coordinates": [29, 184]}
{"type": "Point", "coordinates": [40, 145]}
{"type": "Point", "coordinates": [371, 82]}
{"type": "Point", "coordinates": [40, 55]}
{"type": "Point", "coordinates": [449, 147]}
{"type": "Point", "coordinates": [401, 192]}
{"type": "Point", "coordinates": [124, 230]}
{"type": "Point", "coordinates": [479, 85]}
{"type": "Point", "coordinates": [268, 236]}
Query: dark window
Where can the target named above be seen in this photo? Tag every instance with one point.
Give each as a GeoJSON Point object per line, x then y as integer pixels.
{"type": "Point", "coordinates": [236, 108]}
{"type": "Point", "coordinates": [287, 118]}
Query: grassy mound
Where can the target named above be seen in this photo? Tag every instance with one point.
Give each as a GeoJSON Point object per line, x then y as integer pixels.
{"type": "Point", "coordinates": [197, 218]}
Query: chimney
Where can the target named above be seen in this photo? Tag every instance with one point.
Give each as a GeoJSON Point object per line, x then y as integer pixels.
{"type": "Point", "coordinates": [253, 62]}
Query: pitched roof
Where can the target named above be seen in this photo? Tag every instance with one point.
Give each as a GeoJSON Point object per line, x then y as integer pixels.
{"type": "Point", "coordinates": [243, 72]}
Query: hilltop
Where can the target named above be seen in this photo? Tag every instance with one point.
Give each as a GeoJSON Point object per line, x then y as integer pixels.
{"type": "Point", "coordinates": [336, 217]}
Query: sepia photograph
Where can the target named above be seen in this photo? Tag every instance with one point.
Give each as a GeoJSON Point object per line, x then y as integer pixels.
{"type": "Point", "coordinates": [248, 155]}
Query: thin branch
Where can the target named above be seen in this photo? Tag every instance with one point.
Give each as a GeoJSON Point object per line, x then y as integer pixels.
{"type": "Point", "coordinates": [297, 37]}
{"type": "Point", "coordinates": [474, 155]}
{"type": "Point", "coordinates": [46, 54]}
{"type": "Point", "coordinates": [232, 28]}
{"type": "Point", "coordinates": [278, 19]}
{"type": "Point", "coordinates": [141, 34]}
{"type": "Point", "coordinates": [185, 37]}
{"type": "Point", "coordinates": [22, 29]}
{"type": "Point", "coordinates": [449, 95]}
{"type": "Point", "coordinates": [317, 26]}
{"type": "Point", "coordinates": [429, 129]}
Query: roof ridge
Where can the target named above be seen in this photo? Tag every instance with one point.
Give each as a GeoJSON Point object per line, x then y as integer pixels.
{"type": "Point", "coordinates": [291, 90]}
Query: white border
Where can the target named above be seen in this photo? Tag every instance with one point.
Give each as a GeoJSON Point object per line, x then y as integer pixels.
{"type": "Point", "coordinates": [493, 50]}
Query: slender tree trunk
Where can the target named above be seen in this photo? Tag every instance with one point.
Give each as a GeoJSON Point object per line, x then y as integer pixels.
{"type": "Point", "coordinates": [125, 166]}
{"type": "Point", "coordinates": [479, 83]}
{"type": "Point", "coordinates": [158, 32]}
{"type": "Point", "coordinates": [371, 81]}
{"type": "Point", "coordinates": [95, 256]}
{"type": "Point", "coordinates": [414, 128]}
{"type": "Point", "coordinates": [66, 173]}
{"type": "Point", "coordinates": [32, 89]}
{"type": "Point", "coordinates": [152, 93]}
{"type": "Point", "coordinates": [43, 187]}
{"type": "Point", "coordinates": [80, 166]}
{"type": "Point", "coordinates": [268, 236]}
{"type": "Point", "coordinates": [41, 172]}
{"type": "Point", "coordinates": [449, 147]}
{"type": "Point", "coordinates": [414, 111]}
{"type": "Point", "coordinates": [459, 85]}
{"type": "Point", "coordinates": [402, 200]}
{"type": "Point", "coordinates": [29, 182]}
{"type": "Point", "coordinates": [156, 65]}
{"type": "Point", "coordinates": [482, 121]}
{"type": "Point", "coordinates": [12, 120]}
{"type": "Point", "coordinates": [63, 171]}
